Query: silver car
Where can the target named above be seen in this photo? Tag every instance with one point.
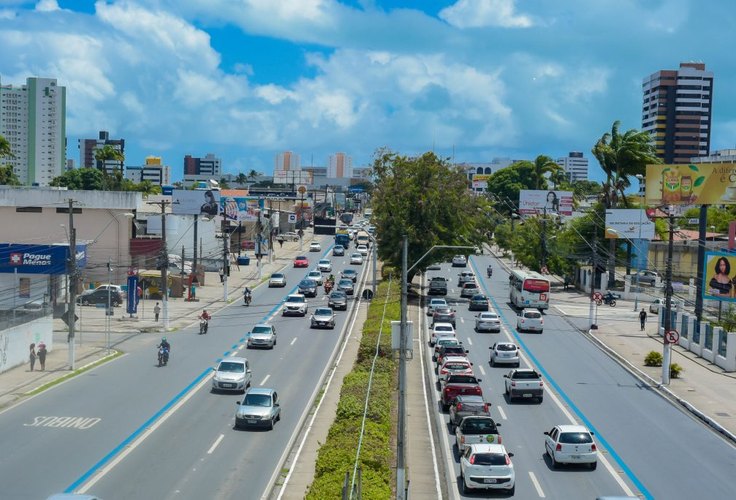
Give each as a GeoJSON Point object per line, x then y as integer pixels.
{"type": "Point", "coordinates": [277, 280]}
{"type": "Point", "coordinates": [504, 353]}
{"type": "Point", "coordinates": [338, 300]}
{"type": "Point", "coordinates": [262, 336]}
{"type": "Point", "coordinates": [469, 289]}
{"type": "Point", "coordinates": [232, 374]}
{"type": "Point", "coordinates": [260, 408]}
{"type": "Point", "coordinates": [324, 265]}
{"type": "Point", "coordinates": [487, 322]}
{"type": "Point", "coordinates": [316, 276]}
{"type": "Point", "coordinates": [346, 285]}
{"type": "Point", "coordinates": [322, 317]}
{"type": "Point", "coordinates": [350, 274]}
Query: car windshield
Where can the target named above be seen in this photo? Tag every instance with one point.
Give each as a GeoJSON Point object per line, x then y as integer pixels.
{"type": "Point", "coordinates": [261, 329]}
{"type": "Point", "coordinates": [437, 302]}
{"type": "Point", "coordinates": [526, 375]}
{"type": "Point", "coordinates": [337, 294]}
{"type": "Point", "coordinates": [575, 437]}
{"type": "Point", "coordinates": [307, 283]}
{"type": "Point", "coordinates": [324, 261]}
{"type": "Point", "coordinates": [257, 400]}
{"type": "Point", "coordinates": [346, 283]}
{"type": "Point", "coordinates": [295, 299]}
{"type": "Point", "coordinates": [231, 366]}
{"type": "Point", "coordinates": [489, 459]}
{"type": "Point", "coordinates": [301, 257]}
{"type": "Point", "coordinates": [479, 298]}
{"type": "Point", "coordinates": [323, 312]}
{"type": "Point", "coordinates": [479, 426]}
{"type": "Point", "coordinates": [338, 247]}
{"type": "Point", "coordinates": [505, 347]}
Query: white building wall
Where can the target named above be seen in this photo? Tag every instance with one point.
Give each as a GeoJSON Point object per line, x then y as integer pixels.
{"type": "Point", "coordinates": [15, 341]}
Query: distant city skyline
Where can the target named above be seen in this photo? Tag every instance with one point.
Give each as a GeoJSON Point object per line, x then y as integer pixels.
{"type": "Point", "coordinates": [471, 80]}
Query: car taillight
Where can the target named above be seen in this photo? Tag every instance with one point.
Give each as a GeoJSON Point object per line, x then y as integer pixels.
{"type": "Point", "coordinates": [593, 448]}
{"type": "Point", "coordinates": [513, 383]}
{"type": "Point", "coordinates": [485, 407]}
{"type": "Point", "coordinates": [558, 447]}
{"type": "Point", "coordinates": [472, 459]}
{"type": "Point", "coordinates": [508, 460]}
{"type": "Point", "coordinates": [499, 439]}
{"type": "Point", "coordinates": [459, 406]}
{"type": "Point", "coordinates": [462, 439]}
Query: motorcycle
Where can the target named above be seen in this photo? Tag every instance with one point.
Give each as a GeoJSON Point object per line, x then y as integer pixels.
{"type": "Point", "coordinates": [203, 326]}
{"type": "Point", "coordinates": [489, 271]}
{"type": "Point", "coordinates": [328, 287]}
{"type": "Point", "coordinates": [247, 298]}
{"type": "Point", "coordinates": [608, 299]}
{"type": "Point", "coordinates": [163, 356]}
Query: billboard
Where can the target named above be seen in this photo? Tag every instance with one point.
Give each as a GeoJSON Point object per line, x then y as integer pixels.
{"type": "Point", "coordinates": [719, 273]}
{"type": "Point", "coordinates": [480, 181]}
{"type": "Point", "coordinates": [292, 177]}
{"type": "Point", "coordinates": [38, 259]}
{"type": "Point", "coordinates": [628, 223]}
{"type": "Point", "coordinates": [701, 184]}
{"type": "Point", "coordinates": [236, 206]}
{"type": "Point", "coordinates": [536, 202]}
{"type": "Point", "coordinates": [198, 202]}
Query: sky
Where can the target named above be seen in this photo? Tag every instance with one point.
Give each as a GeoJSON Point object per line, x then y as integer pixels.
{"type": "Point", "coordinates": [468, 79]}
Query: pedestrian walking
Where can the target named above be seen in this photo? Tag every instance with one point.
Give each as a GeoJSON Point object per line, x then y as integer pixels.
{"type": "Point", "coordinates": [222, 275]}
{"type": "Point", "coordinates": [32, 355]}
{"type": "Point", "coordinates": [42, 355]}
{"type": "Point", "coordinates": [156, 310]}
{"type": "Point", "coordinates": [643, 318]}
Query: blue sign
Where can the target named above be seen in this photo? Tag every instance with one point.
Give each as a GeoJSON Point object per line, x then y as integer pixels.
{"type": "Point", "coordinates": [356, 189]}
{"type": "Point", "coordinates": [131, 307]}
{"type": "Point", "coordinates": [38, 259]}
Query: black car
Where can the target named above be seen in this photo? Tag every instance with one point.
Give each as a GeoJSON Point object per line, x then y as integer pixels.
{"type": "Point", "coordinates": [308, 288]}
{"type": "Point", "coordinates": [478, 302]}
{"type": "Point", "coordinates": [438, 286]}
{"type": "Point", "coordinates": [349, 274]}
{"type": "Point", "coordinates": [93, 297]}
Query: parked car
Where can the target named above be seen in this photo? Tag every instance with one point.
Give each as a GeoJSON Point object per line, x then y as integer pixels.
{"type": "Point", "coordinates": [295, 304]}
{"type": "Point", "coordinates": [350, 274]}
{"type": "Point", "coordinates": [315, 276]}
{"type": "Point", "coordinates": [301, 261]}
{"type": "Point", "coordinates": [324, 266]}
{"type": "Point", "coordinates": [525, 383]}
{"type": "Point", "coordinates": [469, 289]}
{"type": "Point", "coordinates": [465, 406]}
{"type": "Point", "coordinates": [260, 408]}
{"type": "Point", "coordinates": [338, 300]}
{"type": "Point", "coordinates": [645, 277]}
{"type": "Point", "coordinates": [262, 335]}
{"type": "Point", "coordinates": [530, 320]}
{"type": "Point", "coordinates": [338, 250]}
{"type": "Point", "coordinates": [322, 317]}
{"type": "Point", "coordinates": [94, 297]}
{"type": "Point", "coordinates": [443, 314]}
{"type": "Point", "coordinates": [459, 261]}
{"type": "Point", "coordinates": [307, 287]}
{"type": "Point", "coordinates": [435, 303]}
{"type": "Point", "coordinates": [232, 374]}
{"type": "Point", "coordinates": [277, 280]}
{"type": "Point", "coordinates": [478, 302]}
{"type": "Point", "coordinates": [437, 286]}
{"type": "Point", "coordinates": [487, 467]}
{"type": "Point", "coordinates": [315, 246]}
{"type": "Point", "coordinates": [504, 353]}
{"type": "Point", "coordinates": [288, 236]}
{"type": "Point", "coordinates": [346, 285]}
{"type": "Point", "coordinates": [476, 429]}
{"type": "Point", "coordinates": [441, 330]}
{"type": "Point", "coordinates": [487, 322]}
{"type": "Point", "coordinates": [356, 259]}
{"type": "Point", "coordinates": [571, 444]}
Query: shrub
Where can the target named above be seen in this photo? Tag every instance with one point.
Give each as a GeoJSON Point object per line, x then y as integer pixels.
{"type": "Point", "coordinates": [654, 358]}
{"type": "Point", "coordinates": [675, 370]}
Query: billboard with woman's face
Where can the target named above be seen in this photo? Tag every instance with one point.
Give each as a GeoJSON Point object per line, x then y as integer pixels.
{"type": "Point", "coordinates": [720, 276]}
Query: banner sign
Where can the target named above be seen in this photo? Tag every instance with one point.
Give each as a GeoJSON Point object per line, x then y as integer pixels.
{"type": "Point", "coordinates": [481, 181]}
{"type": "Point", "coordinates": [700, 184]}
{"type": "Point", "coordinates": [131, 306]}
{"type": "Point", "coordinates": [236, 206]}
{"type": "Point", "coordinates": [38, 259]}
{"type": "Point", "coordinates": [719, 273]}
{"type": "Point", "coordinates": [537, 202]}
{"type": "Point", "coordinates": [292, 177]}
{"type": "Point", "coordinates": [197, 202]}
{"type": "Point", "coordinates": [629, 224]}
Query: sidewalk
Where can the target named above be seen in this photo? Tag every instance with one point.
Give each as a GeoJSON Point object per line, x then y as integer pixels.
{"type": "Point", "coordinates": [18, 382]}
{"type": "Point", "coordinates": [704, 389]}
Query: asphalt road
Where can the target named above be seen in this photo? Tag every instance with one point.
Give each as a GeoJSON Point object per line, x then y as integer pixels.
{"type": "Point", "coordinates": [654, 450]}
{"type": "Point", "coordinates": [193, 452]}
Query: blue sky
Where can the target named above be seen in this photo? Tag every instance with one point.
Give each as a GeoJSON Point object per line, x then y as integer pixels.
{"type": "Point", "coordinates": [246, 79]}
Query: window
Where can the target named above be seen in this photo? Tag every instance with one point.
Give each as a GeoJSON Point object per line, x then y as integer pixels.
{"type": "Point", "coordinates": [34, 210]}
{"type": "Point", "coordinates": [24, 288]}
{"type": "Point", "coordinates": [65, 210]}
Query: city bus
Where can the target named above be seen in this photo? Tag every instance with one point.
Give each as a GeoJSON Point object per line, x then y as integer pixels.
{"type": "Point", "coordinates": [529, 289]}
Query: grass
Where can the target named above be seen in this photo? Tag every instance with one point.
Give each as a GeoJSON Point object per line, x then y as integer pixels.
{"type": "Point", "coordinates": [76, 372]}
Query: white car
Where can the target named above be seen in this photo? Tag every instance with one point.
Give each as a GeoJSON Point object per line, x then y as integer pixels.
{"type": "Point", "coordinates": [487, 467]}
{"type": "Point", "coordinates": [315, 247]}
{"type": "Point", "coordinates": [435, 303]}
{"type": "Point", "coordinates": [571, 444]}
{"type": "Point", "coordinates": [277, 279]}
{"type": "Point", "coordinates": [454, 365]}
{"type": "Point", "coordinates": [530, 320]}
{"type": "Point", "coordinates": [362, 249]}
{"type": "Point", "coordinates": [315, 275]}
{"type": "Point", "coordinates": [504, 353]}
{"type": "Point", "coordinates": [295, 304]}
{"type": "Point", "coordinates": [324, 266]}
{"type": "Point", "coordinates": [356, 258]}
{"type": "Point", "coordinates": [262, 336]}
{"type": "Point", "coordinates": [232, 374]}
{"type": "Point", "coordinates": [338, 250]}
{"type": "Point", "coordinates": [487, 322]}
{"type": "Point", "coordinates": [459, 261]}
{"type": "Point", "coordinates": [441, 330]}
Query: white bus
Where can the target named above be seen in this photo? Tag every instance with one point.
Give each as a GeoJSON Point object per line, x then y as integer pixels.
{"type": "Point", "coordinates": [529, 289]}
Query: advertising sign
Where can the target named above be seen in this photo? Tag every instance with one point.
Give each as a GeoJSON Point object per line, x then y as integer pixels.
{"type": "Point", "coordinates": [709, 183]}
{"type": "Point", "coordinates": [292, 177]}
{"type": "Point", "coordinates": [38, 259]}
{"type": "Point", "coordinates": [198, 202]}
{"type": "Point", "coordinates": [536, 202]}
{"type": "Point", "coordinates": [236, 206]}
{"type": "Point", "coordinates": [480, 181]}
{"type": "Point", "coordinates": [719, 273]}
{"type": "Point", "coordinates": [131, 306]}
{"type": "Point", "coordinates": [629, 224]}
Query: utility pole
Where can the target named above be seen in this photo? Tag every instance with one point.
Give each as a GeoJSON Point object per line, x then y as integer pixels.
{"type": "Point", "coordinates": [164, 262]}
{"type": "Point", "coordinates": [591, 312]}
{"type": "Point", "coordinates": [544, 239]}
{"type": "Point", "coordinates": [194, 256]}
{"type": "Point", "coordinates": [108, 309]}
{"type": "Point", "coordinates": [71, 314]}
{"type": "Point", "coordinates": [401, 433]}
{"type": "Point", "coordinates": [667, 349]}
{"type": "Point", "coordinates": [701, 262]}
{"type": "Point", "coordinates": [225, 263]}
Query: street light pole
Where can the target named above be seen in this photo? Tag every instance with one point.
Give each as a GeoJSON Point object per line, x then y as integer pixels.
{"type": "Point", "coordinates": [108, 310]}
{"type": "Point", "coordinates": [591, 312]}
{"type": "Point", "coordinates": [401, 433]}
{"type": "Point", "coordinates": [667, 348]}
{"type": "Point", "coordinates": [638, 264]}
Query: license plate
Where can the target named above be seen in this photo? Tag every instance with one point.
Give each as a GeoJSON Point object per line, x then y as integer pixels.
{"type": "Point", "coordinates": [575, 457]}
{"type": "Point", "coordinates": [527, 395]}
{"type": "Point", "coordinates": [228, 385]}
{"type": "Point", "coordinates": [489, 480]}
{"type": "Point", "coordinates": [251, 421]}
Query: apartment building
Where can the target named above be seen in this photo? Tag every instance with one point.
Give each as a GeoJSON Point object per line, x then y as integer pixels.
{"type": "Point", "coordinates": [88, 148]}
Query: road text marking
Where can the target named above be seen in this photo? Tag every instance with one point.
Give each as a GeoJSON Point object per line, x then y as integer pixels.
{"type": "Point", "coordinates": [65, 422]}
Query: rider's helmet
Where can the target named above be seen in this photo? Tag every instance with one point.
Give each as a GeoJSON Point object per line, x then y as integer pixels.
{"type": "Point", "coordinates": [163, 339]}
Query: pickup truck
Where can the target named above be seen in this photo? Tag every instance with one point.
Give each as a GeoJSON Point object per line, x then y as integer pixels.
{"type": "Point", "coordinates": [467, 406]}
{"type": "Point", "coordinates": [438, 286]}
{"type": "Point", "coordinates": [525, 383]}
{"type": "Point", "coordinates": [455, 385]}
{"type": "Point", "coordinates": [476, 430]}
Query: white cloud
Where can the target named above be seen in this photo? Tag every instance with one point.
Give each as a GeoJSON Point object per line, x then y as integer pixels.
{"type": "Point", "coordinates": [47, 6]}
{"type": "Point", "coordinates": [483, 13]}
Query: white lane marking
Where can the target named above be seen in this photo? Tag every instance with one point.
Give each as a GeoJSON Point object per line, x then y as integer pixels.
{"type": "Point", "coordinates": [265, 378]}
{"type": "Point", "coordinates": [114, 462]}
{"type": "Point", "coordinates": [501, 412]}
{"type": "Point", "coordinates": [462, 320]}
{"type": "Point", "coordinates": [536, 484]}
{"type": "Point", "coordinates": [470, 341]}
{"type": "Point", "coordinates": [482, 370]}
{"type": "Point", "coordinates": [214, 445]}
{"type": "Point", "coordinates": [292, 341]}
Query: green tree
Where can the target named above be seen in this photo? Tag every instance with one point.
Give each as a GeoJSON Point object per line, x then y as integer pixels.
{"type": "Point", "coordinates": [5, 151]}
{"type": "Point", "coordinates": [253, 175]}
{"type": "Point", "coordinates": [241, 178]}
{"type": "Point", "coordinates": [428, 200]}
{"type": "Point", "coordinates": [542, 165]}
{"type": "Point", "coordinates": [506, 183]}
{"type": "Point", "coordinates": [8, 177]}
{"type": "Point", "coordinates": [108, 152]}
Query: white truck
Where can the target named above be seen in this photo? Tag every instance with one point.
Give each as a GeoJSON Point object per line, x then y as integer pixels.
{"type": "Point", "coordinates": [525, 383]}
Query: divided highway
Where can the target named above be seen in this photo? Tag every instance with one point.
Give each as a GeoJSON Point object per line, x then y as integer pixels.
{"type": "Point", "coordinates": [647, 447]}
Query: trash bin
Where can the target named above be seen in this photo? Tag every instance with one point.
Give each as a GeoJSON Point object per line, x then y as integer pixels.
{"type": "Point", "coordinates": [243, 261]}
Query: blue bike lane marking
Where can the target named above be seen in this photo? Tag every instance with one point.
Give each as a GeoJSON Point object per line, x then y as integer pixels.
{"type": "Point", "coordinates": [629, 473]}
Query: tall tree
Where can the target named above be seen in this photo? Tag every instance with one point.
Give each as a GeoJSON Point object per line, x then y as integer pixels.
{"type": "Point", "coordinates": [506, 183]}
{"type": "Point", "coordinates": [108, 152]}
{"type": "Point", "coordinates": [5, 151]}
{"type": "Point", "coordinates": [253, 175]}
{"type": "Point", "coordinates": [8, 177]}
{"type": "Point", "coordinates": [241, 178]}
{"type": "Point", "coordinates": [543, 164]}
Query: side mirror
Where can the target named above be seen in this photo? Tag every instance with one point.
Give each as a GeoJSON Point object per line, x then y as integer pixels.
{"type": "Point", "coordinates": [505, 376]}
{"type": "Point", "coordinates": [479, 380]}
{"type": "Point", "coordinates": [248, 371]}
{"type": "Point", "coordinates": [467, 351]}
{"type": "Point", "coordinates": [237, 402]}
{"type": "Point", "coordinates": [546, 433]}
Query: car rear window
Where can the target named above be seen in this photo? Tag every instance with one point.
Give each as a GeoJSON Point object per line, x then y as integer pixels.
{"type": "Point", "coordinates": [323, 312]}
{"type": "Point", "coordinates": [442, 328]}
{"type": "Point", "coordinates": [261, 329]}
{"type": "Point", "coordinates": [575, 437]}
{"type": "Point", "coordinates": [464, 379]}
{"type": "Point", "coordinates": [231, 366]}
{"type": "Point", "coordinates": [277, 275]}
{"type": "Point", "coordinates": [533, 314]}
{"type": "Point", "coordinates": [505, 347]}
{"type": "Point", "coordinates": [489, 459]}
{"type": "Point", "coordinates": [457, 366]}
{"type": "Point", "coordinates": [526, 375]}
{"type": "Point", "coordinates": [454, 350]}
{"type": "Point", "coordinates": [479, 426]}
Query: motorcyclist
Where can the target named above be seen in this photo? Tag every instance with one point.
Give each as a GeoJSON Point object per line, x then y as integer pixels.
{"type": "Point", "coordinates": [331, 279]}
{"type": "Point", "coordinates": [205, 315]}
{"type": "Point", "coordinates": [489, 270]}
{"type": "Point", "coordinates": [164, 349]}
{"type": "Point", "coordinates": [204, 321]}
{"type": "Point", "coordinates": [247, 295]}
{"type": "Point", "coordinates": [164, 344]}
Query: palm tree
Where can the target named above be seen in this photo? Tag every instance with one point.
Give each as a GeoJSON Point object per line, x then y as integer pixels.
{"type": "Point", "coordinates": [253, 175]}
{"type": "Point", "coordinates": [241, 178]}
{"type": "Point", "coordinates": [108, 152]}
{"type": "Point", "coordinates": [5, 151]}
{"type": "Point", "coordinates": [620, 157]}
{"type": "Point", "coordinates": [542, 165]}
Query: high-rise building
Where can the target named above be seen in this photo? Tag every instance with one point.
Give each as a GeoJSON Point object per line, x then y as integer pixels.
{"type": "Point", "coordinates": [88, 147]}
{"type": "Point", "coordinates": [677, 111]}
{"type": "Point", "coordinates": [202, 169]}
{"type": "Point", "coordinates": [154, 170]}
{"type": "Point", "coordinates": [33, 120]}
{"type": "Point", "coordinates": [340, 166]}
{"type": "Point", "coordinates": [575, 166]}
{"type": "Point", "coordinates": [287, 161]}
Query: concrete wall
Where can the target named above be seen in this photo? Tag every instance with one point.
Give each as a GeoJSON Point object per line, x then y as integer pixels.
{"type": "Point", "coordinates": [14, 342]}
{"type": "Point", "coordinates": [718, 347]}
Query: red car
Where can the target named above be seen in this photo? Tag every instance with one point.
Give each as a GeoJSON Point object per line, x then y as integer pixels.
{"type": "Point", "coordinates": [301, 261]}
